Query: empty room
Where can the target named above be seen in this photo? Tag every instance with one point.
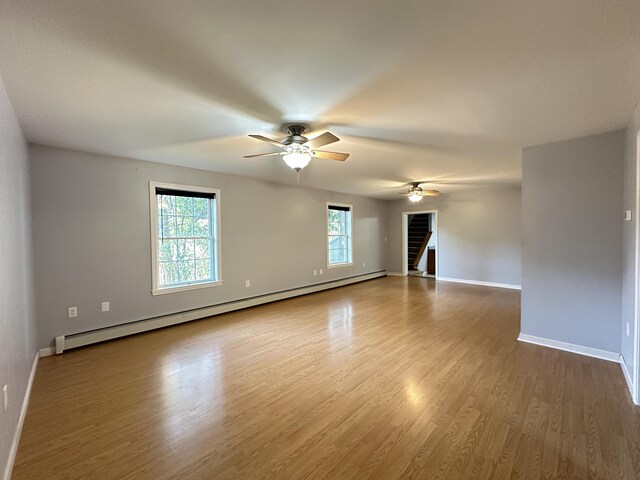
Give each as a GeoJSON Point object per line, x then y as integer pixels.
{"type": "Point", "coordinates": [319, 240]}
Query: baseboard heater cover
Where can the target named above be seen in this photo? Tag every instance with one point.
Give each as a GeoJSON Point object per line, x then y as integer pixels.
{"type": "Point", "coordinates": [66, 342]}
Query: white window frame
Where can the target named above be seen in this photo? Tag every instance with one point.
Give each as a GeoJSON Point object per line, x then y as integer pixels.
{"type": "Point", "coordinates": [326, 220]}
{"type": "Point", "coordinates": [153, 205]}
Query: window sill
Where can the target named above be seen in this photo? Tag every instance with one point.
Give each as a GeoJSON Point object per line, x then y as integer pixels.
{"type": "Point", "coordinates": [184, 288]}
{"type": "Point", "coordinates": [338, 265]}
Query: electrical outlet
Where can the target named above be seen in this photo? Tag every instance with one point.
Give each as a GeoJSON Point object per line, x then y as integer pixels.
{"type": "Point", "coordinates": [72, 312]}
{"type": "Point", "coordinates": [627, 215]}
{"type": "Point", "coordinates": [105, 306]}
{"type": "Point", "coordinates": [628, 332]}
{"type": "Point", "coordinates": [315, 272]}
{"type": "Point", "coordinates": [320, 271]}
{"type": "Point", "coordinates": [247, 283]}
{"type": "Point", "coordinates": [5, 397]}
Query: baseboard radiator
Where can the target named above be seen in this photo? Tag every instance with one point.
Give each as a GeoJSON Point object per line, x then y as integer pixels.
{"type": "Point", "coordinates": [66, 342]}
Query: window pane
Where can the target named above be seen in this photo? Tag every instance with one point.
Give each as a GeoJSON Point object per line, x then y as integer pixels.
{"type": "Point", "coordinates": [339, 236]}
{"type": "Point", "coordinates": [337, 256]}
{"type": "Point", "coordinates": [184, 240]}
{"type": "Point", "coordinates": [166, 205]}
{"type": "Point", "coordinates": [334, 222]}
{"type": "Point", "coordinates": [203, 271]}
{"type": "Point", "coordinates": [167, 273]}
{"type": "Point", "coordinates": [184, 205]}
{"type": "Point", "coordinates": [167, 226]}
{"type": "Point", "coordinates": [337, 243]}
{"type": "Point", "coordinates": [200, 207]}
{"type": "Point", "coordinates": [201, 227]}
{"type": "Point", "coordinates": [202, 248]}
{"type": "Point", "coordinates": [184, 252]}
{"type": "Point", "coordinates": [184, 226]}
{"type": "Point", "coordinates": [185, 271]}
{"type": "Point", "coordinates": [168, 250]}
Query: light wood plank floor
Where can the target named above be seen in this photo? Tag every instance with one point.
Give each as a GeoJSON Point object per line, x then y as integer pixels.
{"type": "Point", "coordinates": [393, 378]}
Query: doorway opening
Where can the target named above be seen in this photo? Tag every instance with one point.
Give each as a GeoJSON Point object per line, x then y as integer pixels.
{"type": "Point", "coordinates": [420, 244]}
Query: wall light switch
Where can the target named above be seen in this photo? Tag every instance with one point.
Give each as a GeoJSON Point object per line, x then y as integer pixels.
{"type": "Point", "coordinates": [72, 312]}
{"type": "Point", "coordinates": [627, 215]}
{"type": "Point", "coordinates": [5, 397]}
{"type": "Point", "coordinates": [105, 306]}
{"type": "Point", "coordinates": [247, 283]}
{"type": "Point", "coordinates": [315, 272]}
{"type": "Point", "coordinates": [320, 271]}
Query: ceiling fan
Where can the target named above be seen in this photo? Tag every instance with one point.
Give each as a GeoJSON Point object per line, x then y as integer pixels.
{"type": "Point", "coordinates": [416, 192]}
{"type": "Point", "coordinates": [298, 149]}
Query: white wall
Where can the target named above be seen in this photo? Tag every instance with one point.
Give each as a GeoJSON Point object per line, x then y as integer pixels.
{"type": "Point", "coordinates": [478, 234]}
{"type": "Point", "coordinates": [17, 325]}
{"type": "Point", "coordinates": [572, 241]}
{"type": "Point", "coordinates": [629, 287]}
{"type": "Point", "coordinates": [92, 239]}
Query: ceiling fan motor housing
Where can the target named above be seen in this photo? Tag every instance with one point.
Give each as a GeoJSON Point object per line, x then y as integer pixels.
{"type": "Point", "coordinates": [296, 134]}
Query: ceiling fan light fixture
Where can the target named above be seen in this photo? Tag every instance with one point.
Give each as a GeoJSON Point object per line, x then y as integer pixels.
{"type": "Point", "coordinates": [296, 160]}
{"type": "Point", "coordinates": [415, 192]}
{"type": "Point", "coordinates": [297, 156]}
{"type": "Point", "coordinates": [415, 197]}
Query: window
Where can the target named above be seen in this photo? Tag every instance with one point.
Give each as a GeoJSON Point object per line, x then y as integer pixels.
{"type": "Point", "coordinates": [184, 236]}
{"type": "Point", "coordinates": [339, 250]}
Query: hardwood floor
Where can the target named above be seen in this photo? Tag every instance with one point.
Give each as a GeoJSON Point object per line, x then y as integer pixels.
{"type": "Point", "coordinates": [394, 378]}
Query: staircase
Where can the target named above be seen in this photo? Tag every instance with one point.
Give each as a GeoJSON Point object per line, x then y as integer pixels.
{"type": "Point", "coordinates": [419, 233]}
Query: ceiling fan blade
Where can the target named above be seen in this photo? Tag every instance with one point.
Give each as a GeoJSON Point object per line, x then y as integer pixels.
{"type": "Point", "coordinates": [268, 140]}
{"type": "Point", "coordinates": [430, 193]}
{"type": "Point", "coordinates": [341, 157]}
{"type": "Point", "coordinates": [321, 140]}
{"type": "Point", "coordinates": [262, 155]}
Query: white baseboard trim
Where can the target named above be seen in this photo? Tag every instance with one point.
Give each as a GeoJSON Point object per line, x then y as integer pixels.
{"type": "Point", "coordinates": [395, 274]}
{"type": "Point", "coordinates": [479, 282]}
{"type": "Point", "coordinates": [80, 339]}
{"type": "Point", "coordinates": [45, 352]}
{"type": "Point", "coordinates": [570, 347]}
{"type": "Point", "coordinates": [627, 377]}
{"type": "Point", "coordinates": [23, 413]}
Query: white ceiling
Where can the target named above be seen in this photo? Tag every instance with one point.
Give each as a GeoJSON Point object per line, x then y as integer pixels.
{"type": "Point", "coordinates": [417, 89]}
